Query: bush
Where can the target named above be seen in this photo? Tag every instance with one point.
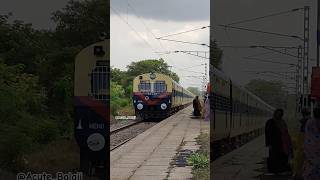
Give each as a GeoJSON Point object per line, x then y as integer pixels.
{"type": "Point", "coordinates": [198, 160]}
{"type": "Point", "coordinates": [45, 132]}
{"type": "Point", "coordinates": [119, 100]}
{"type": "Point", "coordinates": [13, 145]}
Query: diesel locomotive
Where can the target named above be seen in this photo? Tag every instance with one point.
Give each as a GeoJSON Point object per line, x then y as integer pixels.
{"type": "Point", "coordinates": [157, 95]}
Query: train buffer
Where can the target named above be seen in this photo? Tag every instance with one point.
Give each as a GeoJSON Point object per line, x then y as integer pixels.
{"type": "Point", "coordinates": [248, 162]}
{"type": "Point", "coordinates": [152, 154]}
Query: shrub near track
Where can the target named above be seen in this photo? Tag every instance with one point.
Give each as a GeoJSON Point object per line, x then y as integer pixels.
{"type": "Point", "coordinates": [200, 159]}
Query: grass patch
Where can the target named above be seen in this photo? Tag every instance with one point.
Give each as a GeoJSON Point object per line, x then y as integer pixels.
{"type": "Point", "coordinates": [126, 111]}
{"type": "Point", "coordinates": [200, 159]}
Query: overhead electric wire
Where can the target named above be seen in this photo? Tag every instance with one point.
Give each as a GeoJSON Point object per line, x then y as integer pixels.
{"type": "Point", "coordinates": [194, 66]}
{"type": "Point", "coordinates": [185, 42]}
{"type": "Point", "coordinates": [278, 51]}
{"type": "Point", "coordinates": [117, 13]}
{"type": "Point", "coordinates": [260, 31]}
{"type": "Point", "coordinates": [275, 76]}
{"type": "Point", "coordinates": [273, 71]}
{"type": "Point", "coordinates": [188, 70]}
{"type": "Point", "coordinates": [269, 61]}
{"type": "Point", "coordinates": [266, 16]}
{"type": "Point", "coordinates": [183, 32]}
{"type": "Point", "coordinates": [204, 57]}
{"type": "Point", "coordinates": [147, 28]}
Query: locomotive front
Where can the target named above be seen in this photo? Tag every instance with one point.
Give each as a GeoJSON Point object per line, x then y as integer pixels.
{"type": "Point", "coordinates": [152, 95]}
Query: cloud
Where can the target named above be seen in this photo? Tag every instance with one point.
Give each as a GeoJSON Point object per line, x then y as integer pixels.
{"type": "Point", "coordinates": [164, 10]}
{"type": "Point", "coordinates": [37, 12]}
{"type": "Point", "coordinates": [127, 46]}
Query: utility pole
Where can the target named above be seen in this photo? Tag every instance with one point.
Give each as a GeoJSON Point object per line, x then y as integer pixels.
{"type": "Point", "coordinates": [318, 32]}
{"type": "Point", "coordinates": [305, 70]}
{"type": "Point", "coordinates": [300, 78]}
{"type": "Point", "coordinates": [204, 81]}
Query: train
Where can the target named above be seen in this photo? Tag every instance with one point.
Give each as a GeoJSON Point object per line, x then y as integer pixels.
{"type": "Point", "coordinates": [91, 105]}
{"type": "Point", "coordinates": [236, 113]}
{"type": "Point", "coordinates": [157, 96]}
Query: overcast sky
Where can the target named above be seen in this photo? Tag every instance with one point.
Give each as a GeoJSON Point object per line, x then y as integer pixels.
{"type": "Point", "coordinates": [228, 11]}
{"type": "Point", "coordinates": [172, 16]}
{"type": "Point", "coordinates": [37, 12]}
{"type": "Point", "coordinates": [136, 23]}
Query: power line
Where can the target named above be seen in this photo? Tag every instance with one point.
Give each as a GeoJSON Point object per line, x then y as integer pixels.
{"type": "Point", "coordinates": [194, 66]}
{"type": "Point", "coordinates": [183, 32]}
{"type": "Point", "coordinates": [258, 46]}
{"type": "Point", "coordinates": [204, 57]}
{"type": "Point", "coordinates": [275, 76]}
{"type": "Point", "coordinates": [269, 61]}
{"type": "Point", "coordinates": [188, 70]}
{"type": "Point", "coordinates": [260, 31]}
{"type": "Point", "coordinates": [146, 42]}
{"type": "Point", "coordinates": [185, 42]}
{"type": "Point", "coordinates": [266, 16]}
{"type": "Point", "coordinates": [147, 28]}
{"type": "Point", "coordinates": [280, 72]}
{"type": "Point", "coordinates": [268, 48]}
{"type": "Point", "coordinates": [189, 53]}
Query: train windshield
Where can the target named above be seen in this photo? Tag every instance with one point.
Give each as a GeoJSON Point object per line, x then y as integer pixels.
{"type": "Point", "coordinates": [156, 87]}
{"type": "Point", "coordinates": [160, 86]}
{"type": "Point", "coordinates": [145, 86]}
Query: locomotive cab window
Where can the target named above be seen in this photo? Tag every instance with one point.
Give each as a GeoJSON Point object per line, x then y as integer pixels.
{"type": "Point", "coordinates": [144, 86]}
{"type": "Point", "coordinates": [99, 82]}
{"type": "Point", "coordinates": [160, 86]}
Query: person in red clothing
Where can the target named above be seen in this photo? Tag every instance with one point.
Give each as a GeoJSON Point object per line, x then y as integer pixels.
{"type": "Point", "coordinates": [279, 143]}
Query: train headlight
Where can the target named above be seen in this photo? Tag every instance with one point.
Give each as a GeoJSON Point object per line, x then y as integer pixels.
{"type": "Point", "coordinates": [139, 106]}
{"type": "Point", "coordinates": [152, 76]}
{"type": "Point", "coordinates": [163, 106]}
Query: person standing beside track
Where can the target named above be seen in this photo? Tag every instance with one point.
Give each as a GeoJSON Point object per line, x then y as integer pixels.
{"type": "Point", "coordinates": [279, 143]}
{"type": "Point", "coordinates": [299, 155]}
{"type": "Point", "coordinates": [312, 147]}
{"type": "Point", "coordinates": [196, 107]}
{"type": "Point", "coordinates": [207, 109]}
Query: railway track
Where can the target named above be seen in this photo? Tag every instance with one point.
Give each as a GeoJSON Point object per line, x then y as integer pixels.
{"type": "Point", "coordinates": [125, 127]}
{"type": "Point", "coordinates": [138, 127]}
{"type": "Point", "coordinates": [124, 134]}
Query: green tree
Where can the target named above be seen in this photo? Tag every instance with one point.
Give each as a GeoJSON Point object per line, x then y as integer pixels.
{"type": "Point", "coordinates": [152, 65]}
{"type": "Point", "coordinates": [23, 116]}
{"type": "Point", "coordinates": [21, 44]}
{"type": "Point", "coordinates": [117, 75]}
{"type": "Point", "coordinates": [82, 22]}
{"type": "Point", "coordinates": [118, 98]}
{"type": "Point", "coordinates": [271, 92]}
{"type": "Point", "coordinates": [194, 90]}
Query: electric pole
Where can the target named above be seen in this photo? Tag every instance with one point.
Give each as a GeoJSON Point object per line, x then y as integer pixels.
{"type": "Point", "coordinates": [318, 32]}
{"type": "Point", "coordinates": [305, 68]}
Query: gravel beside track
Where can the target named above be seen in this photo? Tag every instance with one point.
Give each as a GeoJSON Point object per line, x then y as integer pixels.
{"type": "Point", "coordinates": [122, 136]}
{"type": "Point", "coordinates": [121, 123]}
